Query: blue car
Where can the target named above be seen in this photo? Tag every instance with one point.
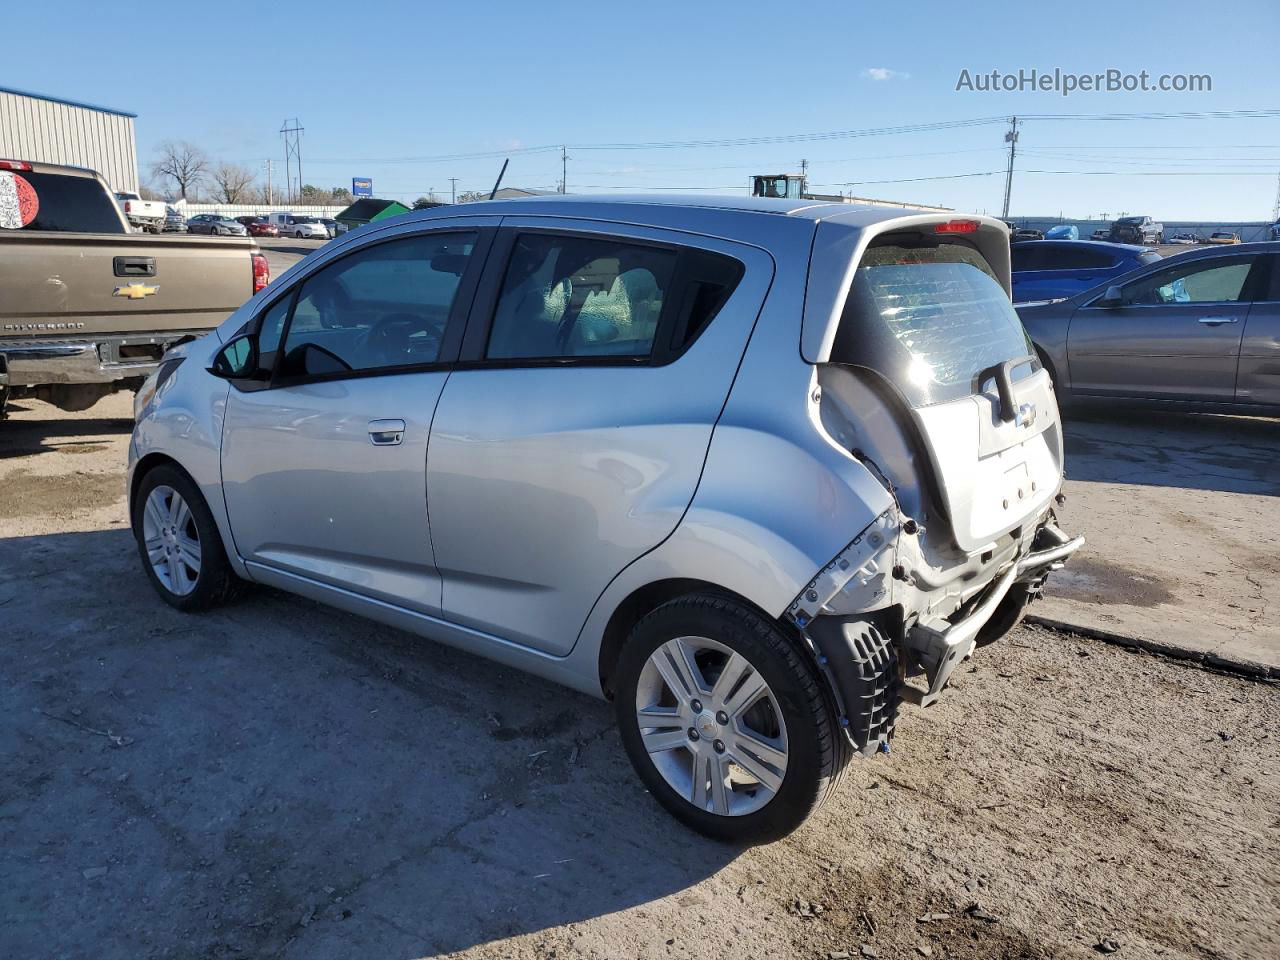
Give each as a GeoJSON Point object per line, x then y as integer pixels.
{"type": "Point", "coordinates": [1054, 269]}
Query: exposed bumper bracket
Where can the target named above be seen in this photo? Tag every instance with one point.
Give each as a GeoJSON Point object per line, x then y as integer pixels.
{"type": "Point", "coordinates": [940, 646]}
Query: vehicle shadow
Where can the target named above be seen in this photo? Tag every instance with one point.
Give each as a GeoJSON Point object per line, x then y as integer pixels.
{"type": "Point", "coordinates": [23, 437]}
{"type": "Point", "coordinates": [279, 778]}
{"type": "Point", "coordinates": [1191, 450]}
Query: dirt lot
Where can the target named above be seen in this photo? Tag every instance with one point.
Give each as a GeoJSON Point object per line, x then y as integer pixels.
{"type": "Point", "coordinates": [282, 780]}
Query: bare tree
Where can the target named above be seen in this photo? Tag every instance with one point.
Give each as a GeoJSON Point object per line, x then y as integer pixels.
{"type": "Point", "coordinates": [182, 163]}
{"type": "Point", "coordinates": [233, 182]}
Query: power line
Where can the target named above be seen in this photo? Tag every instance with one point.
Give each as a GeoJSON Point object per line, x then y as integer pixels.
{"type": "Point", "coordinates": [811, 137]}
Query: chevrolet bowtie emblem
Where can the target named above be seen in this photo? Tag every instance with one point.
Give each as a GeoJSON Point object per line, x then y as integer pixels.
{"type": "Point", "coordinates": [135, 291]}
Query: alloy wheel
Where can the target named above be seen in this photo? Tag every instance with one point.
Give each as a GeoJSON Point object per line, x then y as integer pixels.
{"type": "Point", "coordinates": [712, 726]}
{"type": "Point", "coordinates": [172, 540]}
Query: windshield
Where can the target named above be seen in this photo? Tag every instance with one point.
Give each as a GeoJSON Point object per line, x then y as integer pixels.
{"type": "Point", "coordinates": [930, 318]}
{"type": "Point", "coordinates": [304, 220]}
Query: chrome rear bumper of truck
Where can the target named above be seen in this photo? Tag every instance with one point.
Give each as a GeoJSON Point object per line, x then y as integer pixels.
{"type": "Point", "coordinates": [100, 360]}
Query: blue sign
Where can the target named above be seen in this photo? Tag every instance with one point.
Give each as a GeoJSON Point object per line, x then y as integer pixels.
{"type": "Point", "coordinates": [361, 187]}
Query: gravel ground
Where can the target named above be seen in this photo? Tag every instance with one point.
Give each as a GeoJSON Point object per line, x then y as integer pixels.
{"type": "Point", "coordinates": [278, 779]}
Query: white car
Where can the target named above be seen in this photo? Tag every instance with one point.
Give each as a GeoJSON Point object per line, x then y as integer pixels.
{"type": "Point", "coordinates": [304, 228]}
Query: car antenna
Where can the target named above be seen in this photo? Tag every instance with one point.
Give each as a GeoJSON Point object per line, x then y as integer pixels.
{"type": "Point", "coordinates": [497, 183]}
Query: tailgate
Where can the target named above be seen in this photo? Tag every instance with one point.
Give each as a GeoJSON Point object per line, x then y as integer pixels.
{"type": "Point", "coordinates": [76, 284]}
{"type": "Point", "coordinates": [995, 474]}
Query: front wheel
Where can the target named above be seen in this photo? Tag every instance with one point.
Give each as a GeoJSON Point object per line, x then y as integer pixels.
{"type": "Point", "coordinates": [725, 720]}
{"type": "Point", "coordinates": [179, 542]}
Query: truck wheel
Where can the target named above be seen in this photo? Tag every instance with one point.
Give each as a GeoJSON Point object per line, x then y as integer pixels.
{"type": "Point", "coordinates": [178, 541]}
{"type": "Point", "coordinates": [726, 722]}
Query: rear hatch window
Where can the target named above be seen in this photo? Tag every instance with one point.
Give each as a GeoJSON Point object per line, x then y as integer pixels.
{"type": "Point", "coordinates": [929, 315]}
{"type": "Point", "coordinates": [54, 201]}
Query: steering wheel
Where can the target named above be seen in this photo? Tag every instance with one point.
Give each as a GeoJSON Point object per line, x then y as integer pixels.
{"type": "Point", "coordinates": [400, 338]}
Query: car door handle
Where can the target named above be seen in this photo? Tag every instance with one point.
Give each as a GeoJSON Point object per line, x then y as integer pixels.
{"type": "Point", "coordinates": [1218, 321]}
{"type": "Point", "coordinates": [386, 433]}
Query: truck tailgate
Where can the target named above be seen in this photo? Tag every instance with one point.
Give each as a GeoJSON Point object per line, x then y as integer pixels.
{"type": "Point", "coordinates": [84, 285]}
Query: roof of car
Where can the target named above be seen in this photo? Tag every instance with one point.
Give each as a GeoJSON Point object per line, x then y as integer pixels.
{"type": "Point", "coordinates": [603, 205]}
{"type": "Point", "coordinates": [1132, 248]}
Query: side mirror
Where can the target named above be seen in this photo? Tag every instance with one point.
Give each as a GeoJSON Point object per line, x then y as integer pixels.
{"type": "Point", "coordinates": [238, 360]}
{"type": "Point", "coordinates": [1112, 298]}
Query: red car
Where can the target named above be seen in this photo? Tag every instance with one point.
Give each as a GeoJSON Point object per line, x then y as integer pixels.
{"type": "Point", "coordinates": [258, 227]}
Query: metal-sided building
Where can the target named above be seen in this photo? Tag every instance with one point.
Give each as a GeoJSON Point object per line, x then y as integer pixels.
{"type": "Point", "coordinates": [52, 130]}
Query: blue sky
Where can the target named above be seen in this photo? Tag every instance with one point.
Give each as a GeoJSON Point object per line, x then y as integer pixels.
{"type": "Point", "coordinates": [378, 86]}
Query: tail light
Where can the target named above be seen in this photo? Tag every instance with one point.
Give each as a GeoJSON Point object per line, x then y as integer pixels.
{"type": "Point", "coordinates": [957, 226]}
{"type": "Point", "coordinates": [128, 206]}
{"type": "Point", "coordinates": [261, 272]}
{"type": "Point", "coordinates": [15, 165]}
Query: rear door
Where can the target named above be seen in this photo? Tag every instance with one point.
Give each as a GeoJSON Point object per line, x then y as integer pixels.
{"type": "Point", "coordinates": [1258, 376]}
{"type": "Point", "coordinates": [571, 437]}
{"type": "Point", "coordinates": [1176, 334]}
{"type": "Point", "coordinates": [323, 470]}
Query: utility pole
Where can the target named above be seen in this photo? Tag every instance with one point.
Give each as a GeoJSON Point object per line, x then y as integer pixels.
{"type": "Point", "coordinates": [804, 176]}
{"type": "Point", "coordinates": [564, 168]}
{"type": "Point", "coordinates": [1011, 138]}
{"type": "Point", "coordinates": [271, 197]}
{"type": "Point", "coordinates": [453, 189]}
{"type": "Point", "coordinates": [1275, 210]}
{"type": "Point", "coordinates": [292, 153]}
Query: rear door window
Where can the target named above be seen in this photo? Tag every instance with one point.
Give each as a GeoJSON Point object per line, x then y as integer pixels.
{"type": "Point", "coordinates": [578, 297]}
{"type": "Point", "coordinates": [930, 317]}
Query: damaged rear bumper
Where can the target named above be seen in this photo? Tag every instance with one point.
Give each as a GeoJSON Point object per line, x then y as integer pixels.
{"type": "Point", "coordinates": [939, 646]}
{"type": "Point", "coordinates": [855, 649]}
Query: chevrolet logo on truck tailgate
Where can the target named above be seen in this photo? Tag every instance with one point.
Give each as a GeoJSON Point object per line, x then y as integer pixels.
{"type": "Point", "coordinates": [135, 291]}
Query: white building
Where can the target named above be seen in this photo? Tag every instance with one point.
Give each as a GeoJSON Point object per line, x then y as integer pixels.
{"type": "Point", "coordinates": [52, 130]}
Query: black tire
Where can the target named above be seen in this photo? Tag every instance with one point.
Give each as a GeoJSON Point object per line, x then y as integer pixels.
{"type": "Point", "coordinates": [817, 749]}
{"type": "Point", "coordinates": [1008, 614]}
{"type": "Point", "coordinates": [215, 583]}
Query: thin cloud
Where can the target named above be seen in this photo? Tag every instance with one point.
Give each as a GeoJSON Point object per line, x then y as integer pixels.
{"type": "Point", "coordinates": [884, 73]}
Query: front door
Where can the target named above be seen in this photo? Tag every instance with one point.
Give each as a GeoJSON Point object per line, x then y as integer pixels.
{"type": "Point", "coordinates": [1175, 334]}
{"type": "Point", "coordinates": [324, 470]}
{"type": "Point", "coordinates": [570, 440]}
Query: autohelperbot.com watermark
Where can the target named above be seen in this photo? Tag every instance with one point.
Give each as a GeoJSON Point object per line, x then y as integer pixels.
{"type": "Point", "coordinates": [1065, 82]}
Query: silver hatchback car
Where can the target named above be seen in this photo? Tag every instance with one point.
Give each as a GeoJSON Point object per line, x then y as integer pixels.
{"type": "Point", "coordinates": [757, 471]}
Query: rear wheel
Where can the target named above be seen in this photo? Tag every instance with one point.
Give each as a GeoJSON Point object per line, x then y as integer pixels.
{"type": "Point", "coordinates": [179, 542]}
{"type": "Point", "coordinates": [725, 720]}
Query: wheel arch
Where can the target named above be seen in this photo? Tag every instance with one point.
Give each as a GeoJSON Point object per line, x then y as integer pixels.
{"type": "Point", "coordinates": [647, 598]}
{"type": "Point", "coordinates": [212, 495]}
{"type": "Point", "coordinates": [145, 466]}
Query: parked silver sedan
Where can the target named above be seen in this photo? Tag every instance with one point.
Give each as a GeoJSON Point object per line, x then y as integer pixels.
{"type": "Point", "coordinates": [216, 225]}
{"type": "Point", "coordinates": [1197, 331]}
{"type": "Point", "coordinates": [758, 471]}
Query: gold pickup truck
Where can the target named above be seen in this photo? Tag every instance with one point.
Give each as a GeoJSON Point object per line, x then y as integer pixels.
{"type": "Point", "coordinates": [88, 307]}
